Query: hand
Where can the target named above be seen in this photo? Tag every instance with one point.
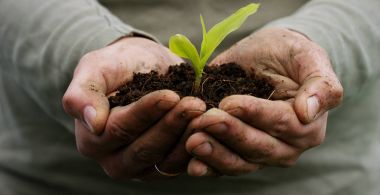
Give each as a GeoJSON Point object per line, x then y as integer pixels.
{"type": "Point", "coordinates": [246, 133]}
{"type": "Point", "coordinates": [141, 135]}
{"type": "Point", "coordinates": [129, 140]}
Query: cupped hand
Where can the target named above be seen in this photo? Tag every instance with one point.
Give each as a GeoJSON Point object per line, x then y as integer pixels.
{"type": "Point", "coordinates": [101, 72]}
{"type": "Point", "coordinates": [247, 133]}
{"type": "Point", "coordinates": [147, 133]}
{"type": "Point", "coordinates": [128, 141]}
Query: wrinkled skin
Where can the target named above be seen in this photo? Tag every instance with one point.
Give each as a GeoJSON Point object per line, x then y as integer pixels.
{"type": "Point", "coordinates": [128, 141]}
{"type": "Point", "coordinates": [242, 135]}
{"type": "Point", "coordinates": [246, 133]}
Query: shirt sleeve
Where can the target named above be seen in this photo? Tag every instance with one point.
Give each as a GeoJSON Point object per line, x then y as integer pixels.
{"type": "Point", "coordinates": [42, 42]}
{"type": "Point", "coordinates": [350, 32]}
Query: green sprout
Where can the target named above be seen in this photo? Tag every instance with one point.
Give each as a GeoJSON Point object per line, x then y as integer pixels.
{"type": "Point", "coordinates": [182, 46]}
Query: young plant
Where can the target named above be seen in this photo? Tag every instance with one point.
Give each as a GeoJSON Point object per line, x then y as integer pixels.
{"type": "Point", "coordinates": [182, 46]}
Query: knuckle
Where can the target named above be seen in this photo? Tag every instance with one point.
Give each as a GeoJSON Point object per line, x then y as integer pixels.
{"type": "Point", "coordinates": [259, 156]}
{"type": "Point", "coordinates": [171, 126]}
{"type": "Point", "coordinates": [252, 108]}
{"type": "Point", "coordinates": [169, 119]}
{"type": "Point", "coordinates": [139, 119]}
{"type": "Point", "coordinates": [68, 102]}
{"type": "Point", "coordinates": [231, 165]}
{"type": "Point", "coordinates": [249, 105]}
{"type": "Point", "coordinates": [262, 151]}
{"type": "Point", "coordinates": [117, 130]}
{"type": "Point", "coordinates": [144, 154]}
{"type": "Point", "coordinates": [337, 92]}
{"type": "Point", "coordinates": [281, 125]}
{"type": "Point", "coordinates": [187, 109]}
{"type": "Point", "coordinates": [333, 91]}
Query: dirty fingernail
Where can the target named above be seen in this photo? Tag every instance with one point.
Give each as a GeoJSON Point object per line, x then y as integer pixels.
{"type": "Point", "coordinates": [312, 107]}
{"type": "Point", "coordinates": [89, 115]}
{"type": "Point", "coordinates": [204, 149]}
{"type": "Point", "coordinates": [213, 112]}
{"type": "Point", "coordinates": [165, 105]}
{"type": "Point", "coordinates": [217, 128]}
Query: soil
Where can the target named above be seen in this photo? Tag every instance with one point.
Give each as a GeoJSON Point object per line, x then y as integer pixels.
{"type": "Point", "coordinates": [217, 83]}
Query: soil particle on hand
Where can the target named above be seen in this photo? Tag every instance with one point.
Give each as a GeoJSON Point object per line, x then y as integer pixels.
{"type": "Point", "coordinates": [217, 82]}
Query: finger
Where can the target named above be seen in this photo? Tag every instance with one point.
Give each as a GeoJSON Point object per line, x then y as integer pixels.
{"type": "Point", "coordinates": [250, 143]}
{"type": "Point", "coordinates": [126, 123]}
{"type": "Point", "coordinates": [320, 90]}
{"type": "Point", "coordinates": [86, 101]}
{"type": "Point", "coordinates": [275, 117]}
{"type": "Point", "coordinates": [98, 75]}
{"type": "Point", "coordinates": [85, 98]}
{"type": "Point", "coordinates": [217, 156]}
{"type": "Point", "coordinates": [223, 58]}
{"type": "Point", "coordinates": [284, 87]}
{"type": "Point", "coordinates": [282, 124]}
{"type": "Point", "coordinates": [152, 146]}
{"type": "Point", "coordinates": [270, 69]}
{"type": "Point", "coordinates": [197, 168]}
{"type": "Point", "coordinates": [177, 159]}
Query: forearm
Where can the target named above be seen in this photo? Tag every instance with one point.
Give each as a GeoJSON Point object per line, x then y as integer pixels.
{"type": "Point", "coordinates": [42, 42]}
{"type": "Point", "coordinates": [350, 32]}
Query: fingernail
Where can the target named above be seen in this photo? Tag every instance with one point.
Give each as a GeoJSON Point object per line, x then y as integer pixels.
{"type": "Point", "coordinates": [203, 171]}
{"type": "Point", "coordinates": [213, 112]}
{"type": "Point", "coordinates": [204, 149]}
{"type": "Point", "coordinates": [312, 107]}
{"type": "Point", "coordinates": [165, 105]}
{"type": "Point", "coordinates": [219, 128]}
{"type": "Point", "coordinates": [198, 171]}
{"type": "Point", "coordinates": [89, 114]}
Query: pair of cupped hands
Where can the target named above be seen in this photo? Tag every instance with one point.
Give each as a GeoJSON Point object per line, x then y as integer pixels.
{"type": "Point", "coordinates": [178, 135]}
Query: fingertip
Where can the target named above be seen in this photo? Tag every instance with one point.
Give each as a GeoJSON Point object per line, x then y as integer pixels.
{"type": "Point", "coordinates": [223, 58]}
{"type": "Point", "coordinates": [313, 107]}
{"type": "Point", "coordinates": [87, 105]}
{"type": "Point", "coordinates": [227, 103]}
{"type": "Point", "coordinates": [196, 168]}
{"type": "Point", "coordinates": [99, 118]}
{"type": "Point", "coordinates": [195, 140]}
{"type": "Point", "coordinates": [164, 99]}
{"type": "Point", "coordinates": [233, 102]}
{"type": "Point", "coordinates": [307, 108]}
{"type": "Point", "coordinates": [89, 116]}
{"type": "Point", "coordinates": [168, 95]}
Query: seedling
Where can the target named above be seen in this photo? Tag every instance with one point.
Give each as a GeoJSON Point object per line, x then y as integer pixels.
{"type": "Point", "coordinates": [182, 46]}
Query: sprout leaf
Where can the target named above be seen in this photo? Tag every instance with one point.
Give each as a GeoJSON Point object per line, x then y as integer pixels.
{"type": "Point", "coordinates": [220, 31]}
{"type": "Point", "coordinates": [182, 46]}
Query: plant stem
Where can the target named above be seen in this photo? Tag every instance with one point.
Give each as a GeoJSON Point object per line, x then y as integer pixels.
{"type": "Point", "coordinates": [197, 83]}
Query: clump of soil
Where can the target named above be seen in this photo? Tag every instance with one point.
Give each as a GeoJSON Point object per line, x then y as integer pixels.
{"type": "Point", "coordinates": [217, 83]}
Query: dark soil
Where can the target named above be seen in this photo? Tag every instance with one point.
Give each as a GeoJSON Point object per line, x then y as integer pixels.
{"type": "Point", "coordinates": [217, 83]}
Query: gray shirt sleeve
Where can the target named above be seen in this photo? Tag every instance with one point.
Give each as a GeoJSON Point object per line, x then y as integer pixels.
{"type": "Point", "coordinates": [350, 32]}
{"type": "Point", "coordinates": [42, 41]}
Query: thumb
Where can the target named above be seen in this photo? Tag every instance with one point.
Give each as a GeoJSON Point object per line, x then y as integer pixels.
{"type": "Point", "coordinates": [223, 58]}
{"type": "Point", "coordinates": [320, 91]}
{"type": "Point", "coordinates": [86, 100]}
